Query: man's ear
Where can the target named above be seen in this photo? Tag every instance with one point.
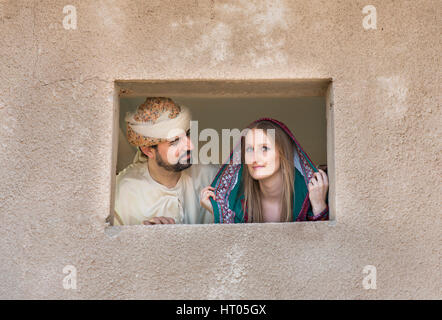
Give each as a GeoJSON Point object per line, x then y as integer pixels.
{"type": "Point", "coordinates": [148, 151]}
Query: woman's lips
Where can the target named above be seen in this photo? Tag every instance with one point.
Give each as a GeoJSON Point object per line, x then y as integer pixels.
{"type": "Point", "coordinates": [257, 167]}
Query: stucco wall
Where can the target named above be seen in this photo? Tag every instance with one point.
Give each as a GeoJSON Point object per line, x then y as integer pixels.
{"type": "Point", "coordinates": [56, 116]}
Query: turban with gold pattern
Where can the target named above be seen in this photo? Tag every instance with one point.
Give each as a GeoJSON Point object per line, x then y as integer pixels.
{"type": "Point", "coordinates": [157, 120]}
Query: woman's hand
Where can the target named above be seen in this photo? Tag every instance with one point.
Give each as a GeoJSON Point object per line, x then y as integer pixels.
{"type": "Point", "coordinates": [317, 188]}
{"type": "Point", "coordinates": [205, 194]}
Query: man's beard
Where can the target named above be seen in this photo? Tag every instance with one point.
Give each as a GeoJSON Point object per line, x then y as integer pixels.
{"type": "Point", "coordinates": [179, 166]}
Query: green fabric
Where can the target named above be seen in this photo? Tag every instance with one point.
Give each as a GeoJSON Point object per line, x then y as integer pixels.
{"type": "Point", "coordinates": [234, 201]}
{"type": "Point", "coordinates": [237, 195]}
{"type": "Point", "coordinates": [230, 200]}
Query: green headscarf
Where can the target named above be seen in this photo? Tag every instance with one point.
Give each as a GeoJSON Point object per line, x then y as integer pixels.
{"type": "Point", "coordinates": [229, 206]}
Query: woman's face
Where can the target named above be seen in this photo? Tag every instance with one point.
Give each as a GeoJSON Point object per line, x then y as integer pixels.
{"type": "Point", "coordinates": [260, 154]}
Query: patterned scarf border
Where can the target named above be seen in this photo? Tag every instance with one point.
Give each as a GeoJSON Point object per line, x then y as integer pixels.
{"type": "Point", "coordinates": [228, 176]}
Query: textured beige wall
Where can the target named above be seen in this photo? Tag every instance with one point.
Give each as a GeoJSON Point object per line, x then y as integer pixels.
{"type": "Point", "coordinates": [56, 119]}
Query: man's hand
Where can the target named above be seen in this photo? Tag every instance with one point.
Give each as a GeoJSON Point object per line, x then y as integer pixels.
{"type": "Point", "coordinates": [317, 188]}
{"type": "Point", "coordinates": [159, 220]}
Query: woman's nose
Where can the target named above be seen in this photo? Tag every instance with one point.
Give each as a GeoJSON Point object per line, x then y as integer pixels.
{"type": "Point", "coordinates": [250, 158]}
{"type": "Point", "coordinates": [257, 156]}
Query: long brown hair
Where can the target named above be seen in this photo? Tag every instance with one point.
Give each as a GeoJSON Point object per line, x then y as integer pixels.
{"type": "Point", "coordinates": [285, 148]}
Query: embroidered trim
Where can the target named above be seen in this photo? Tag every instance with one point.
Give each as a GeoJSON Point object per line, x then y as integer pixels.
{"type": "Point", "coordinates": [228, 178]}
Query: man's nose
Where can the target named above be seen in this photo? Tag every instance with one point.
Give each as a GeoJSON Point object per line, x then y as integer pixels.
{"type": "Point", "coordinates": [189, 144]}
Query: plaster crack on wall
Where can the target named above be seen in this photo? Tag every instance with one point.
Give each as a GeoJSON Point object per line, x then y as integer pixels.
{"type": "Point", "coordinates": [74, 80]}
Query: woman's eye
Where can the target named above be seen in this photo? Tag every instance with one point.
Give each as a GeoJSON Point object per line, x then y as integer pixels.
{"type": "Point", "coordinates": [249, 149]}
{"type": "Point", "coordinates": [264, 148]}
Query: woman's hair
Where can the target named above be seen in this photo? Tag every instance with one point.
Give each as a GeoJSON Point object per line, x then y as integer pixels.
{"type": "Point", "coordinates": [285, 147]}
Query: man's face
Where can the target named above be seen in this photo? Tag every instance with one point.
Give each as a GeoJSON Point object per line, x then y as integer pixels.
{"type": "Point", "coordinates": [175, 154]}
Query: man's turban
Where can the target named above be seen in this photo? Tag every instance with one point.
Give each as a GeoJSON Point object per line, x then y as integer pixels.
{"type": "Point", "coordinates": [156, 120]}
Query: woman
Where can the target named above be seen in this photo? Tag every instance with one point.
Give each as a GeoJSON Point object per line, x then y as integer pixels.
{"type": "Point", "coordinates": [269, 178]}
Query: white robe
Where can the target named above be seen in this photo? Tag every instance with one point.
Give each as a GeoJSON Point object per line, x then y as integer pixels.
{"type": "Point", "coordinates": [139, 197]}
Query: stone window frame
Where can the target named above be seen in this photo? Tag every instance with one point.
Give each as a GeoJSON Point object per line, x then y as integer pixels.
{"type": "Point", "coordinates": [283, 88]}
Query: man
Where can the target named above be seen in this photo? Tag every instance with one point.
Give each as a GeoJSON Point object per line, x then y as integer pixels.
{"type": "Point", "coordinates": [161, 186]}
